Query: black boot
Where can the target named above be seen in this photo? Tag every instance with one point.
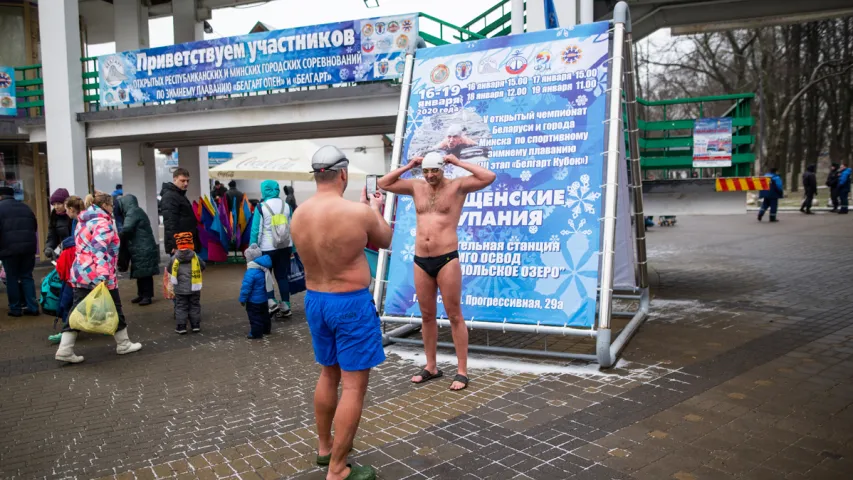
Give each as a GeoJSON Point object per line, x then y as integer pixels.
{"type": "Point", "coordinates": [145, 301]}
{"type": "Point", "coordinates": [136, 300]}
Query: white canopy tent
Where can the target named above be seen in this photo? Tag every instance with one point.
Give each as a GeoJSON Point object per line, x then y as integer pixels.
{"type": "Point", "coordinates": [282, 161]}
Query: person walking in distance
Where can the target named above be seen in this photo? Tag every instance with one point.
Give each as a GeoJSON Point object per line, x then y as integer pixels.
{"type": "Point", "coordinates": [177, 211]}
{"type": "Point", "coordinates": [770, 198]}
{"type": "Point", "coordinates": [809, 189]}
{"type": "Point", "coordinates": [330, 234]}
{"type": "Point", "coordinates": [18, 245]}
{"type": "Point", "coordinates": [438, 202]}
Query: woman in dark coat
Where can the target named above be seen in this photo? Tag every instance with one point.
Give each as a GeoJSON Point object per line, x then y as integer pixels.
{"type": "Point", "coordinates": [137, 235]}
{"type": "Point", "coordinates": [59, 223]}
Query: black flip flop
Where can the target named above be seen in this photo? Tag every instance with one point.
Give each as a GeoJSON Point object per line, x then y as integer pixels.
{"type": "Point", "coordinates": [461, 379]}
{"type": "Point", "coordinates": [427, 376]}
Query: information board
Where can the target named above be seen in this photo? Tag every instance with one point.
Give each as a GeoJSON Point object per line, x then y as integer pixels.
{"type": "Point", "coordinates": [351, 51]}
{"type": "Point", "coordinates": [712, 142]}
{"type": "Point", "coordinates": [8, 106]}
{"type": "Point", "coordinates": [531, 108]}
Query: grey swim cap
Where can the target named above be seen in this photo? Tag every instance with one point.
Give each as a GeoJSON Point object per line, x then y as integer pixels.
{"type": "Point", "coordinates": [329, 157]}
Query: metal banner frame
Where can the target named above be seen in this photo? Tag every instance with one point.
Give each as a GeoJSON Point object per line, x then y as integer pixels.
{"type": "Point", "coordinates": [607, 349]}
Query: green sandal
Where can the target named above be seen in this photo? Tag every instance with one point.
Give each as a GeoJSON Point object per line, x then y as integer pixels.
{"type": "Point", "coordinates": [362, 472]}
{"type": "Point", "coordinates": [324, 460]}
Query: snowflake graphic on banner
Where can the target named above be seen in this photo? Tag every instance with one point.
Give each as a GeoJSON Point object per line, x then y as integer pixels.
{"type": "Point", "coordinates": [465, 235]}
{"type": "Point", "coordinates": [514, 239]}
{"type": "Point", "coordinates": [561, 173]}
{"type": "Point", "coordinates": [581, 198]}
{"type": "Point", "coordinates": [414, 121]}
{"type": "Point", "coordinates": [361, 71]}
{"type": "Point", "coordinates": [344, 73]}
{"type": "Point", "coordinates": [533, 229]}
{"type": "Point", "coordinates": [555, 238]}
{"type": "Point", "coordinates": [565, 32]}
{"type": "Point", "coordinates": [408, 253]}
{"type": "Point", "coordinates": [525, 175]}
{"type": "Point", "coordinates": [548, 210]}
{"type": "Point", "coordinates": [350, 49]}
{"type": "Point", "coordinates": [582, 100]}
{"type": "Point", "coordinates": [518, 104]}
{"type": "Point", "coordinates": [577, 286]}
{"type": "Point", "coordinates": [413, 232]}
{"type": "Point", "coordinates": [501, 187]}
{"type": "Point", "coordinates": [599, 88]}
{"type": "Point", "coordinates": [577, 229]}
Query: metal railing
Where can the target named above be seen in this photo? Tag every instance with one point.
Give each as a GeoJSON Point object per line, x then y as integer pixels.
{"type": "Point", "coordinates": [666, 135]}
{"type": "Point", "coordinates": [494, 22]}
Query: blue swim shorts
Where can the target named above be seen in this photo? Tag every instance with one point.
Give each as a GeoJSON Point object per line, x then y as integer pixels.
{"type": "Point", "coordinates": [345, 329]}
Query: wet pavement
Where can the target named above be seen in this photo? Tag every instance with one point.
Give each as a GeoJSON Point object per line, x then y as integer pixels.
{"type": "Point", "coordinates": [743, 371]}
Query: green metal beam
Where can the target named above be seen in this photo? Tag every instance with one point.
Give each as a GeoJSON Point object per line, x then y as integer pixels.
{"type": "Point", "coordinates": [483, 15]}
{"type": "Point", "coordinates": [678, 101]}
{"type": "Point", "coordinates": [686, 161]}
{"type": "Point", "coordinates": [675, 142]}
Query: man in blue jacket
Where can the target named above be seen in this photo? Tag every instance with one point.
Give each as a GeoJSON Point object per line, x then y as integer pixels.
{"type": "Point", "coordinates": [771, 197]}
{"type": "Point", "coordinates": [844, 179]}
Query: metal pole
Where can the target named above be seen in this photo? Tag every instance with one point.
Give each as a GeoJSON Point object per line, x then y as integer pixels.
{"type": "Point", "coordinates": [396, 153]}
{"type": "Point", "coordinates": [587, 15]}
{"type": "Point", "coordinates": [517, 16]}
{"type": "Point", "coordinates": [614, 137]}
{"type": "Point", "coordinates": [634, 146]}
{"type": "Point", "coordinates": [498, 326]}
{"type": "Point", "coordinates": [513, 351]}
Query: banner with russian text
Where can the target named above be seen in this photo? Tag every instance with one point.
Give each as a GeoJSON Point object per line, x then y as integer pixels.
{"type": "Point", "coordinates": [531, 108]}
{"type": "Point", "coordinates": [351, 51]}
{"type": "Point", "coordinates": [712, 142]}
{"type": "Point", "coordinates": [8, 105]}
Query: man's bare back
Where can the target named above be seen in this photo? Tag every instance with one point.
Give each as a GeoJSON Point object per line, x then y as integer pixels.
{"type": "Point", "coordinates": [330, 234]}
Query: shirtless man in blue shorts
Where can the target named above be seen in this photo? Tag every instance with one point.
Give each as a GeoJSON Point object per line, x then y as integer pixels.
{"type": "Point", "coordinates": [438, 202]}
{"type": "Point", "coordinates": [330, 234]}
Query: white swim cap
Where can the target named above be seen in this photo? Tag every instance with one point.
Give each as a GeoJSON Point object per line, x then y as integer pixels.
{"type": "Point", "coordinates": [455, 130]}
{"type": "Point", "coordinates": [433, 160]}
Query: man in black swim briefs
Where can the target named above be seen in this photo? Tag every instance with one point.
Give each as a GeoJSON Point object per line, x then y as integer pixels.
{"type": "Point", "coordinates": [438, 202]}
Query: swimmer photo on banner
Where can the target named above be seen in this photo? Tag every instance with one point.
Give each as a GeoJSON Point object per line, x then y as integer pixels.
{"type": "Point", "coordinates": [531, 108]}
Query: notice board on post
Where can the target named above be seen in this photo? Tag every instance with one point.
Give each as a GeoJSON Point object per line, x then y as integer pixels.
{"type": "Point", "coordinates": [351, 51]}
{"type": "Point", "coordinates": [531, 108]}
{"type": "Point", "coordinates": [712, 142]}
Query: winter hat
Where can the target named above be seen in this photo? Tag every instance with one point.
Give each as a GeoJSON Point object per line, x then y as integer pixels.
{"type": "Point", "coordinates": [232, 184]}
{"type": "Point", "coordinates": [184, 240]}
{"type": "Point", "coordinates": [59, 196]}
{"type": "Point", "coordinates": [253, 252]}
{"type": "Point", "coordinates": [7, 192]}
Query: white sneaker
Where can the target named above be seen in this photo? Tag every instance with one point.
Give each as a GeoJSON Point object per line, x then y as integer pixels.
{"type": "Point", "coordinates": [65, 352]}
{"type": "Point", "coordinates": [123, 343]}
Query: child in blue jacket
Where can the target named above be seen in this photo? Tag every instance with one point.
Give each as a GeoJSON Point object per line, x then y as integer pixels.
{"type": "Point", "coordinates": [257, 282]}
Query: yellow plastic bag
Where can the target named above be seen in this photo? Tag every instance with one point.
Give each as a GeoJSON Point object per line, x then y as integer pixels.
{"type": "Point", "coordinates": [96, 313]}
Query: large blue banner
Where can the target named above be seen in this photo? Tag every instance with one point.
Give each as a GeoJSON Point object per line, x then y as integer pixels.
{"type": "Point", "coordinates": [531, 108]}
{"type": "Point", "coordinates": [352, 51]}
{"type": "Point", "coordinates": [8, 105]}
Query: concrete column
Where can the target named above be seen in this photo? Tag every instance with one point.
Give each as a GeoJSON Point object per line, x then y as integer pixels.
{"type": "Point", "coordinates": [139, 178]}
{"type": "Point", "coordinates": [517, 16]}
{"type": "Point", "coordinates": [567, 12]}
{"type": "Point", "coordinates": [131, 25]}
{"type": "Point", "coordinates": [194, 159]}
{"type": "Point", "coordinates": [535, 15]}
{"type": "Point", "coordinates": [63, 97]}
{"type": "Point", "coordinates": [184, 20]}
{"type": "Point", "coordinates": [188, 29]}
{"type": "Point", "coordinates": [587, 11]}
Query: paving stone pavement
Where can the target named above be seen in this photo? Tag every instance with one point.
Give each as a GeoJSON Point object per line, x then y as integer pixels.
{"type": "Point", "coordinates": [742, 371]}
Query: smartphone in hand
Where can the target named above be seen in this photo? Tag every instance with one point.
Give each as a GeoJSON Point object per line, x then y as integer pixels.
{"type": "Point", "coordinates": [371, 185]}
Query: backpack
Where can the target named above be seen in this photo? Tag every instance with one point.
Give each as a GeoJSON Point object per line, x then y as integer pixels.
{"type": "Point", "coordinates": [280, 226]}
{"type": "Point", "coordinates": [51, 289]}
